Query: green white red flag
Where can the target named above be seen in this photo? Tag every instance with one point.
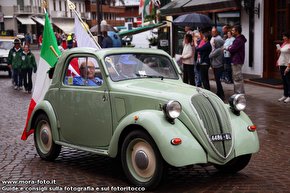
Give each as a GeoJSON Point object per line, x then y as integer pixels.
{"type": "Point", "coordinates": [141, 6]}
{"type": "Point", "coordinates": [47, 60]}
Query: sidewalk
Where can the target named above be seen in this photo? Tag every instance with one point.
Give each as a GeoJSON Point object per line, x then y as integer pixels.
{"type": "Point", "coordinates": [247, 80]}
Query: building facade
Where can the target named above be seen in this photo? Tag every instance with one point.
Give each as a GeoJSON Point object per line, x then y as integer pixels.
{"type": "Point", "coordinates": [105, 10]}
{"type": "Point", "coordinates": [27, 16]}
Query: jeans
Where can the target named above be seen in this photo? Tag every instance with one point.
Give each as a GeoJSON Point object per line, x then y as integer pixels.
{"type": "Point", "coordinates": [27, 78]}
{"type": "Point", "coordinates": [197, 75]}
{"type": "Point", "coordinates": [286, 81]}
{"type": "Point", "coordinates": [17, 77]}
{"type": "Point", "coordinates": [238, 79]}
{"type": "Point", "coordinates": [228, 69]}
{"type": "Point", "coordinates": [204, 76]}
{"type": "Point", "coordinates": [217, 75]}
{"type": "Point", "coordinates": [188, 74]}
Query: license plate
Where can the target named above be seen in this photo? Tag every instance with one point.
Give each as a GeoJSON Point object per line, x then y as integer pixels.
{"type": "Point", "coordinates": [221, 137]}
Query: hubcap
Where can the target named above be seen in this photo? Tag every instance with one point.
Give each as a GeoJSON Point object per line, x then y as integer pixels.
{"type": "Point", "coordinates": [44, 137]}
{"type": "Point", "coordinates": [141, 160]}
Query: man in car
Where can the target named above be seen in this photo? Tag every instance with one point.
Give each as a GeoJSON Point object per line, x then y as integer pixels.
{"type": "Point", "coordinates": [87, 76]}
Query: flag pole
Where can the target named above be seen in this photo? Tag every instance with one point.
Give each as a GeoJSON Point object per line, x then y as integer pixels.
{"type": "Point", "coordinates": [54, 52]}
{"type": "Point", "coordinates": [44, 5]}
{"type": "Point", "coordinates": [72, 7]}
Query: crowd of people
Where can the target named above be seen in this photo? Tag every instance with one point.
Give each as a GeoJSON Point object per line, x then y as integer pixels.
{"type": "Point", "coordinates": [207, 49]}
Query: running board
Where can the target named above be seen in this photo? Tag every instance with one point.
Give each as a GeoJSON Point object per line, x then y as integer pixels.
{"type": "Point", "coordinates": [87, 149]}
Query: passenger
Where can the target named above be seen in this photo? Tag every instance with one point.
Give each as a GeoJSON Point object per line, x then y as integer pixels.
{"type": "Point", "coordinates": [127, 64]}
{"type": "Point", "coordinates": [87, 76]}
{"type": "Point", "coordinates": [125, 68]}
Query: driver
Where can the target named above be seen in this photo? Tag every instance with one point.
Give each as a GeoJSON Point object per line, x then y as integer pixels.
{"type": "Point", "coordinates": [87, 76]}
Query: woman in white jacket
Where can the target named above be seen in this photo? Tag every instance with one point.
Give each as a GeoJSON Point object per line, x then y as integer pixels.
{"type": "Point", "coordinates": [284, 66]}
{"type": "Point", "coordinates": [187, 58]}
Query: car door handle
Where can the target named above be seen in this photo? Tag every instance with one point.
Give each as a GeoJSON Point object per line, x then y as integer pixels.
{"type": "Point", "coordinates": [104, 98]}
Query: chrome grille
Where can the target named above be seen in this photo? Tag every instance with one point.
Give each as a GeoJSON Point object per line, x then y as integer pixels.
{"type": "Point", "coordinates": [215, 120]}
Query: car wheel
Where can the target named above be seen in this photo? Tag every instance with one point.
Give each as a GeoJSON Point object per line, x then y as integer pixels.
{"type": "Point", "coordinates": [235, 165]}
{"type": "Point", "coordinates": [43, 139]}
{"type": "Point", "coordinates": [141, 160]}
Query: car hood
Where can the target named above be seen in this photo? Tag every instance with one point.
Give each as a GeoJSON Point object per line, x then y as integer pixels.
{"type": "Point", "coordinates": [157, 88]}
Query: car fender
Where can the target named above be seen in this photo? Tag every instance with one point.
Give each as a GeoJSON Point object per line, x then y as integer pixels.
{"type": "Point", "coordinates": [46, 108]}
{"type": "Point", "coordinates": [153, 121]}
{"type": "Point", "coordinates": [246, 142]}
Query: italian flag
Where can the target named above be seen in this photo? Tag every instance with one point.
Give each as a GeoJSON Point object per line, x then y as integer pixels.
{"type": "Point", "coordinates": [47, 60]}
{"type": "Point", "coordinates": [148, 7]}
{"type": "Point", "coordinates": [141, 6]}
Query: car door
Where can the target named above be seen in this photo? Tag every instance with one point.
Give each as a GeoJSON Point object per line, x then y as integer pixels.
{"type": "Point", "coordinates": [84, 111]}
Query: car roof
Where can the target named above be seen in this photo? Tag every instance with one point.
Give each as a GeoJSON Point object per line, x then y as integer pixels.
{"type": "Point", "coordinates": [110, 51]}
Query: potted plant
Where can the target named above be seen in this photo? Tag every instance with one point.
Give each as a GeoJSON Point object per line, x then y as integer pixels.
{"type": "Point", "coordinates": [153, 41]}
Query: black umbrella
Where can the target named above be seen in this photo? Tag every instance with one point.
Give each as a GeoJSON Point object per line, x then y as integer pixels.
{"type": "Point", "coordinates": [193, 20]}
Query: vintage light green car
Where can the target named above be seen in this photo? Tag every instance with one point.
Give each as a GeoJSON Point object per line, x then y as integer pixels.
{"type": "Point", "coordinates": [132, 104]}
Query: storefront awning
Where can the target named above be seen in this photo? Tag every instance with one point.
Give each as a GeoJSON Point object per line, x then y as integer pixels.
{"type": "Point", "coordinates": [38, 20]}
{"type": "Point", "coordinates": [25, 20]}
{"type": "Point", "coordinates": [140, 29]}
{"type": "Point", "coordinates": [67, 26]}
{"type": "Point", "coordinates": [179, 7]}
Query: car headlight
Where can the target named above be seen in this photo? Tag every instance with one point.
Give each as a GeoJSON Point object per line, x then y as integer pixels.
{"type": "Point", "coordinates": [172, 110]}
{"type": "Point", "coordinates": [237, 103]}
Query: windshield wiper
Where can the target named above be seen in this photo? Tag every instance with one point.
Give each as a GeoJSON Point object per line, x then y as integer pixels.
{"type": "Point", "coordinates": [150, 76]}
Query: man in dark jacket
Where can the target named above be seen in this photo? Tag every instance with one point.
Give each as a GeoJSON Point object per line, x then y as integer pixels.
{"type": "Point", "coordinates": [237, 50]}
{"type": "Point", "coordinates": [14, 62]}
{"type": "Point", "coordinates": [107, 41]}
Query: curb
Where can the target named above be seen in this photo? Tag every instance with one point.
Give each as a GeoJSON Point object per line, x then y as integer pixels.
{"type": "Point", "coordinates": [263, 84]}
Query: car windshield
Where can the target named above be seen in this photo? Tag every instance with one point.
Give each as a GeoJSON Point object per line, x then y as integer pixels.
{"type": "Point", "coordinates": [6, 45]}
{"type": "Point", "coordinates": [135, 66]}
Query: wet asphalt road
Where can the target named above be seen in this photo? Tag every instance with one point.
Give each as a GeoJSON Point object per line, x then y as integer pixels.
{"type": "Point", "coordinates": [268, 171]}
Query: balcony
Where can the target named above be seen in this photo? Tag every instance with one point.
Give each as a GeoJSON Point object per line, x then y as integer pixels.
{"type": "Point", "coordinates": [86, 16]}
{"type": "Point", "coordinates": [111, 22]}
{"type": "Point", "coordinates": [59, 14]}
{"type": "Point", "coordinates": [27, 9]}
{"type": "Point", "coordinates": [110, 9]}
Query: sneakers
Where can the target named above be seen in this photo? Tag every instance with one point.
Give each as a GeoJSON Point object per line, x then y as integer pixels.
{"type": "Point", "coordinates": [282, 98]}
{"type": "Point", "coordinates": [287, 100]}
{"type": "Point", "coordinates": [15, 87]}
